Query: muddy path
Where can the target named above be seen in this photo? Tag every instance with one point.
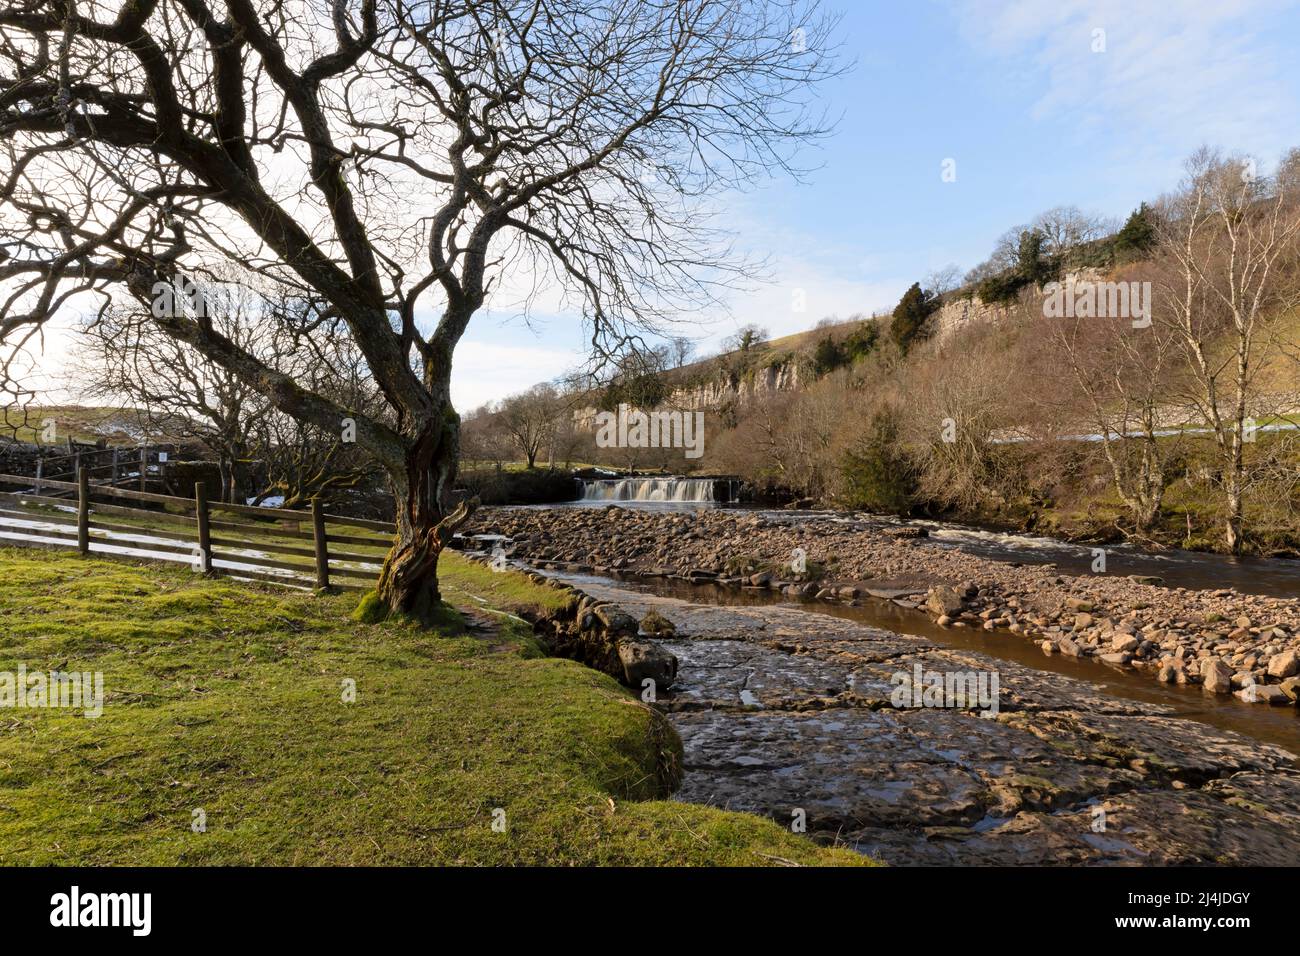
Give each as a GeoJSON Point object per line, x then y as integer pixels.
{"type": "Point", "coordinates": [794, 715]}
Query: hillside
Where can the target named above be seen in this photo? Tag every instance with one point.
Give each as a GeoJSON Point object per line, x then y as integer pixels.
{"type": "Point", "coordinates": [54, 424]}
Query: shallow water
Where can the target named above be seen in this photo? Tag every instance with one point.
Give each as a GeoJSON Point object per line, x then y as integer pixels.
{"type": "Point", "coordinates": [1275, 725]}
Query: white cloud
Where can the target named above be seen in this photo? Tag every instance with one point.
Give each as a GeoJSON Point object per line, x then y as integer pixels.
{"type": "Point", "coordinates": [487, 371]}
{"type": "Point", "coordinates": [1182, 72]}
{"type": "Point", "coordinates": [824, 289]}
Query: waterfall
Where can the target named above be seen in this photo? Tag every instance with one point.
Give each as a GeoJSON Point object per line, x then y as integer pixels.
{"type": "Point", "coordinates": [648, 489]}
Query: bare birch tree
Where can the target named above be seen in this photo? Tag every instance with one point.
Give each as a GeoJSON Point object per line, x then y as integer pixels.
{"type": "Point", "coordinates": [1230, 241]}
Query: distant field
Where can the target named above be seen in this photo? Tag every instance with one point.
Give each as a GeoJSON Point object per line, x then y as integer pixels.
{"type": "Point", "coordinates": [54, 424]}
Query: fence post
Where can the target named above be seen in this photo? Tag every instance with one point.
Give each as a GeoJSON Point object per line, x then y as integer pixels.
{"type": "Point", "coordinates": [144, 467]}
{"type": "Point", "coordinates": [83, 511]}
{"type": "Point", "coordinates": [205, 534]}
{"type": "Point", "coordinates": [40, 468]}
{"type": "Point", "coordinates": [322, 551]}
{"type": "Point", "coordinates": [115, 468]}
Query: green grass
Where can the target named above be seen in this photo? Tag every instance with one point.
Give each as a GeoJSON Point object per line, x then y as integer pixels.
{"type": "Point", "coordinates": [228, 698]}
{"type": "Point", "coordinates": [86, 423]}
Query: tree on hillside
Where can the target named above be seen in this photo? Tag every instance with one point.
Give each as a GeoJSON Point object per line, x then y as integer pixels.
{"type": "Point", "coordinates": [941, 281]}
{"type": "Point", "coordinates": [1034, 261]}
{"type": "Point", "coordinates": [392, 163]}
{"type": "Point", "coordinates": [909, 316]}
{"type": "Point", "coordinates": [1066, 228]}
{"type": "Point", "coordinates": [1138, 236]}
{"type": "Point", "coordinates": [1229, 254]}
{"type": "Point", "coordinates": [877, 473]}
{"type": "Point", "coordinates": [746, 339]}
{"type": "Point", "coordinates": [682, 350]}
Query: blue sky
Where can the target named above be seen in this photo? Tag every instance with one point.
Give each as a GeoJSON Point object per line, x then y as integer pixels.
{"type": "Point", "coordinates": [1014, 93]}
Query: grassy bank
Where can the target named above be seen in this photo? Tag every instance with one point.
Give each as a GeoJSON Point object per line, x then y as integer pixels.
{"type": "Point", "coordinates": [228, 699]}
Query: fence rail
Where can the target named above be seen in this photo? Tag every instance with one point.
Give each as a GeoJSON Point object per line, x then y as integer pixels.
{"type": "Point", "coordinates": [240, 542]}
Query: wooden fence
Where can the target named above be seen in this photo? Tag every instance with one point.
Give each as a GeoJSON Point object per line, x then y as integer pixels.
{"type": "Point", "coordinates": [107, 466]}
{"type": "Point", "coordinates": [238, 540]}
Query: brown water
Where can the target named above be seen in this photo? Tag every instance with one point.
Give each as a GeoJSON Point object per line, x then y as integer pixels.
{"type": "Point", "coordinates": [1274, 725]}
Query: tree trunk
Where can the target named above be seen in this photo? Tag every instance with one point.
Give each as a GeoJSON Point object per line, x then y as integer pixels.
{"type": "Point", "coordinates": [1233, 524]}
{"type": "Point", "coordinates": [408, 583]}
{"type": "Point", "coordinates": [226, 470]}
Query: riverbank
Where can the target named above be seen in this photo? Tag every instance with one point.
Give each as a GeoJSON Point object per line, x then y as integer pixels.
{"type": "Point", "coordinates": [1220, 639]}
{"type": "Point", "coordinates": [245, 725]}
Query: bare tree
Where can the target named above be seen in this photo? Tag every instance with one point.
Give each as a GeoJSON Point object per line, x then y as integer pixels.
{"type": "Point", "coordinates": [942, 280]}
{"type": "Point", "coordinates": [1122, 378]}
{"type": "Point", "coordinates": [260, 451]}
{"type": "Point", "coordinates": [483, 438]}
{"type": "Point", "coordinates": [1065, 228]}
{"type": "Point", "coordinates": [123, 356]}
{"type": "Point", "coordinates": [682, 350]}
{"type": "Point", "coordinates": [1230, 244]}
{"type": "Point", "coordinates": [388, 159]}
{"type": "Point", "coordinates": [746, 338]}
{"type": "Point", "coordinates": [531, 418]}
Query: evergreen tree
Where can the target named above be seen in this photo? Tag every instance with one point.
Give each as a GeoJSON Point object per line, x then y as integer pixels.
{"type": "Point", "coordinates": [910, 314]}
{"type": "Point", "coordinates": [1138, 235]}
{"type": "Point", "coordinates": [877, 473]}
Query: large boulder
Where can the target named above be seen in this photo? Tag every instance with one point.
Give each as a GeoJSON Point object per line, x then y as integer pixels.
{"type": "Point", "coordinates": [1216, 676]}
{"type": "Point", "coordinates": [943, 601]}
{"type": "Point", "coordinates": [615, 620]}
{"type": "Point", "coordinates": [646, 659]}
{"type": "Point", "coordinates": [1284, 665]}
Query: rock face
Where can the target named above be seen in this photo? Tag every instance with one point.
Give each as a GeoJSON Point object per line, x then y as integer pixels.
{"type": "Point", "coordinates": [795, 716]}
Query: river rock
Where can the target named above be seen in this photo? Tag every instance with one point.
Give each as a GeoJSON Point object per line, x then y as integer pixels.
{"type": "Point", "coordinates": [644, 660]}
{"type": "Point", "coordinates": [1263, 694]}
{"type": "Point", "coordinates": [615, 620]}
{"type": "Point", "coordinates": [1068, 647]}
{"type": "Point", "coordinates": [943, 601]}
{"type": "Point", "coordinates": [1284, 665]}
{"type": "Point", "coordinates": [1216, 676]}
{"type": "Point", "coordinates": [1124, 642]}
{"type": "Point", "coordinates": [655, 623]}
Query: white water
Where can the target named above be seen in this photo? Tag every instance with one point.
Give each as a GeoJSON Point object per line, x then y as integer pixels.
{"type": "Point", "coordinates": [648, 489]}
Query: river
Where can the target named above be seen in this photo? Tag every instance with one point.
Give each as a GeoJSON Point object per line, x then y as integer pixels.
{"type": "Point", "coordinates": [786, 710]}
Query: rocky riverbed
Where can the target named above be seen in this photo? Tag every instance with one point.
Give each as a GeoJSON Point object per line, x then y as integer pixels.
{"type": "Point", "coordinates": [809, 719]}
{"type": "Point", "coordinates": [1227, 642]}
